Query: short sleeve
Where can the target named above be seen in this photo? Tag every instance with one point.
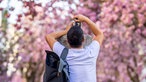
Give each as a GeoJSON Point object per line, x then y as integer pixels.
{"type": "Point", "coordinates": [94, 48]}
{"type": "Point", "coordinates": [58, 48]}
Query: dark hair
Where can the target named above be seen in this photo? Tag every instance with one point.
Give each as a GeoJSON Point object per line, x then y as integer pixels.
{"type": "Point", "coordinates": [75, 36]}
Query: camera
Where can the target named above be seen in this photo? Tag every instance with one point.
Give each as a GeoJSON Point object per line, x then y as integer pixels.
{"type": "Point", "coordinates": [77, 24]}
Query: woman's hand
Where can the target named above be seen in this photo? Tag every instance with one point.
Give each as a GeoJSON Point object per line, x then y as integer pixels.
{"type": "Point", "coordinates": [80, 18]}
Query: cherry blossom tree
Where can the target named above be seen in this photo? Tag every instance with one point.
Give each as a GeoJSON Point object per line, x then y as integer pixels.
{"type": "Point", "coordinates": [23, 57]}
{"type": "Point", "coordinates": [123, 52]}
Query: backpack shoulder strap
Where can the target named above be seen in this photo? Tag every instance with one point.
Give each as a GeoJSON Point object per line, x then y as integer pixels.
{"type": "Point", "coordinates": [64, 54]}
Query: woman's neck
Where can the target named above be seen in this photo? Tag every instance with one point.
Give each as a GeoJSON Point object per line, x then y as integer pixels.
{"type": "Point", "coordinates": [80, 47]}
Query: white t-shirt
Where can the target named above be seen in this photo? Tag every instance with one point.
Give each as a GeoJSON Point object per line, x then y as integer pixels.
{"type": "Point", "coordinates": [82, 62]}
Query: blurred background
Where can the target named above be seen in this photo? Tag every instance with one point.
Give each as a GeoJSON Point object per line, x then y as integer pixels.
{"type": "Point", "coordinates": [24, 23]}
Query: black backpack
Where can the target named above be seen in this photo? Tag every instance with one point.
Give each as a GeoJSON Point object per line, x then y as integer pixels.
{"type": "Point", "coordinates": [56, 69]}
